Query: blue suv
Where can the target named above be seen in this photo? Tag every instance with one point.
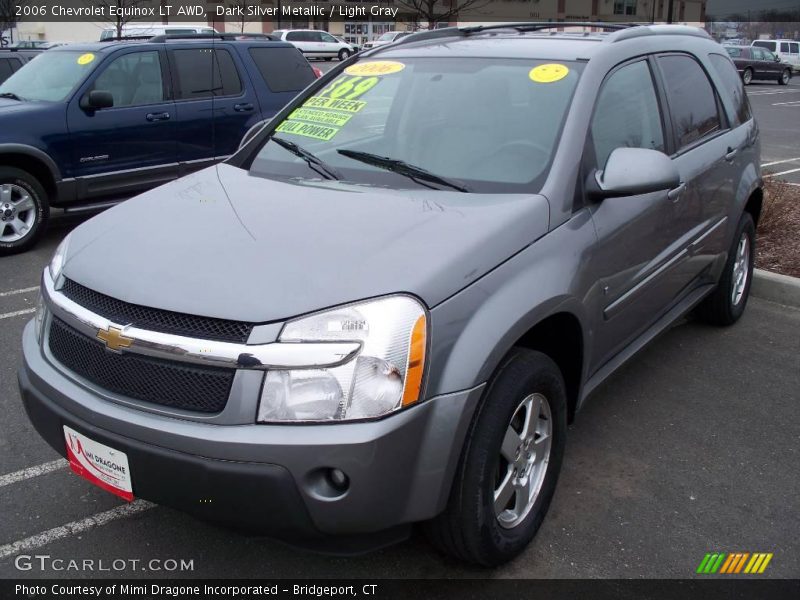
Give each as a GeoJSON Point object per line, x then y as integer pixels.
{"type": "Point", "coordinates": [100, 122]}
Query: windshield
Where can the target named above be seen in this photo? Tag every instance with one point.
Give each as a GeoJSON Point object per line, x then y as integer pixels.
{"type": "Point", "coordinates": [387, 37]}
{"type": "Point", "coordinates": [51, 76]}
{"type": "Point", "coordinates": [488, 125]}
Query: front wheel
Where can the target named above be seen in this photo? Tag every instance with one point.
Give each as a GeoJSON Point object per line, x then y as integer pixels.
{"type": "Point", "coordinates": [344, 54]}
{"type": "Point", "coordinates": [24, 210]}
{"type": "Point", "coordinates": [510, 464]}
{"type": "Point", "coordinates": [785, 77]}
{"type": "Point", "coordinates": [726, 303]}
{"type": "Point", "coordinates": [747, 76]}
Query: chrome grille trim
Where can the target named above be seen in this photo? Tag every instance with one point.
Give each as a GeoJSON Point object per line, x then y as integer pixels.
{"type": "Point", "coordinates": [178, 348]}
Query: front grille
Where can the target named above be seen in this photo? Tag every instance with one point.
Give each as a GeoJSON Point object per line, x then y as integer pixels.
{"type": "Point", "coordinates": [189, 387]}
{"type": "Point", "coordinates": [165, 321]}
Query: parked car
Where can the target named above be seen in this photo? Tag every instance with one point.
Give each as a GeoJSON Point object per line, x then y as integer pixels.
{"type": "Point", "coordinates": [33, 44]}
{"type": "Point", "coordinates": [352, 325]}
{"type": "Point", "coordinates": [787, 50]}
{"type": "Point", "coordinates": [316, 44]}
{"type": "Point", "coordinates": [138, 31]}
{"type": "Point", "coordinates": [756, 63]}
{"type": "Point", "coordinates": [387, 38]}
{"type": "Point", "coordinates": [12, 59]}
{"type": "Point", "coordinates": [104, 121]}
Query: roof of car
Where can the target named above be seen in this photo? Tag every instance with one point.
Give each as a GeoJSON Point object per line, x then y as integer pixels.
{"type": "Point", "coordinates": [502, 40]}
{"type": "Point", "coordinates": [111, 45]}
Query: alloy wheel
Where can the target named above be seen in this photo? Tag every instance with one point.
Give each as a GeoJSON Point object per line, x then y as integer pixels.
{"type": "Point", "coordinates": [741, 269]}
{"type": "Point", "coordinates": [524, 456]}
{"type": "Point", "coordinates": [17, 212]}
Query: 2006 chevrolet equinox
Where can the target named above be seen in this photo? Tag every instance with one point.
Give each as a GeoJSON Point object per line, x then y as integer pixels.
{"type": "Point", "coordinates": [387, 306]}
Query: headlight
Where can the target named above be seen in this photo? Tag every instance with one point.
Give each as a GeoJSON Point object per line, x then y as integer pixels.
{"type": "Point", "coordinates": [39, 318]}
{"type": "Point", "coordinates": [385, 376]}
{"type": "Point", "coordinates": [57, 262]}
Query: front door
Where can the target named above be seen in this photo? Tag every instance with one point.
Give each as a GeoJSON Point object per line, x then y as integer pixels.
{"type": "Point", "coordinates": [130, 146]}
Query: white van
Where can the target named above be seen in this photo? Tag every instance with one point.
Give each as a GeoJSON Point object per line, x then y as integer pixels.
{"type": "Point", "coordinates": [314, 43]}
{"type": "Point", "coordinates": [152, 30]}
{"type": "Point", "coordinates": [787, 50]}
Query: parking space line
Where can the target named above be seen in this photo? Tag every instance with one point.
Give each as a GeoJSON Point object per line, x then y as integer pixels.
{"type": "Point", "coordinates": [21, 291]}
{"type": "Point", "coordinates": [32, 472]}
{"type": "Point", "coordinates": [792, 103]}
{"type": "Point", "coordinates": [76, 527]}
{"type": "Point", "coordinates": [777, 162]}
{"type": "Point", "coordinates": [782, 173]}
{"type": "Point", "coordinates": [17, 313]}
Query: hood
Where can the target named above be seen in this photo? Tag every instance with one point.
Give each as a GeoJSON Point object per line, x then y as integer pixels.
{"type": "Point", "coordinates": [8, 106]}
{"type": "Point", "coordinates": [269, 250]}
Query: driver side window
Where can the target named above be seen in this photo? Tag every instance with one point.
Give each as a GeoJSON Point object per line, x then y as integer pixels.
{"type": "Point", "coordinates": [627, 113]}
{"type": "Point", "coordinates": [133, 79]}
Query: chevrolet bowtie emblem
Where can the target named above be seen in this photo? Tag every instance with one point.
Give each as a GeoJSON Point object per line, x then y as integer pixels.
{"type": "Point", "coordinates": [113, 339]}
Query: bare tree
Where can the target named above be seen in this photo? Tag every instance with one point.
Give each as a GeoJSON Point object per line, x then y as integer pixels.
{"type": "Point", "coordinates": [439, 11]}
{"type": "Point", "coordinates": [124, 13]}
{"type": "Point", "coordinates": [242, 7]}
{"type": "Point", "coordinates": [8, 18]}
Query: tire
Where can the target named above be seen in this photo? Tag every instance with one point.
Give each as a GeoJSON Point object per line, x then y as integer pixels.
{"type": "Point", "coordinates": [344, 54]}
{"type": "Point", "coordinates": [21, 229]}
{"type": "Point", "coordinates": [747, 76]}
{"type": "Point", "coordinates": [470, 529]}
{"type": "Point", "coordinates": [727, 302]}
{"type": "Point", "coordinates": [785, 77]}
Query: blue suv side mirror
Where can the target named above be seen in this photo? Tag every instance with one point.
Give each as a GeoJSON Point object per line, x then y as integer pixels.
{"type": "Point", "coordinates": [97, 99]}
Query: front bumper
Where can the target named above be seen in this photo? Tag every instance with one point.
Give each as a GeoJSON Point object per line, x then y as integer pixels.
{"type": "Point", "coordinates": [264, 478]}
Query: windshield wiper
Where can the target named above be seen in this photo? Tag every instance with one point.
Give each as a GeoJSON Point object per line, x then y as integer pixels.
{"type": "Point", "coordinates": [322, 167]}
{"type": "Point", "coordinates": [11, 96]}
{"type": "Point", "coordinates": [403, 168]}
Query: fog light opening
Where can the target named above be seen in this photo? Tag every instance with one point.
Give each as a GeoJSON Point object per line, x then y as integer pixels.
{"type": "Point", "coordinates": [338, 480]}
{"type": "Point", "coordinates": [327, 483]}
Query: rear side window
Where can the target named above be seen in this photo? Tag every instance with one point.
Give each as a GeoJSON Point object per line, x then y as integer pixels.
{"type": "Point", "coordinates": [784, 46]}
{"type": "Point", "coordinates": [768, 45]}
{"type": "Point", "coordinates": [283, 69]}
{"type": "Point", "coordinates": [795, 47]}
{"type": "Point", "coordinates": [203, 72]}
{"type": "Point", "coordinates": [627, 113]}
{"type": "Point", "coordinates": [734, 52]}
{"type": "Point", "coordinates": [5, 69]}
{"type": "Point", "coordinates": [295, 36]}
{"type": "Point", "coordinates": [692, 102]}
{"type": "Point", "coordinates": [732, 84]}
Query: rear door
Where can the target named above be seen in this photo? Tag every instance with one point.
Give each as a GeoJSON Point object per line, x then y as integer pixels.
{"type": "Point", "coordinates": [130, 146]}
{"type": "Point", "coordinates": [214, 101]}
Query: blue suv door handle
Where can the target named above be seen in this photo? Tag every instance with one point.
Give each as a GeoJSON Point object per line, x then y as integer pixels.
{"type": "Point", "coordinates": [162, 116]}
{"type": "Point", "coordinates": [244, 106]}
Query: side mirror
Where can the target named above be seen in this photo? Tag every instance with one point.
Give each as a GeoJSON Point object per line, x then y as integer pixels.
{"type": "Point", "coordinates": [251, 133]}
{"type": "Point", "coordinates": [97, 99]}
{"type": "Point", "coordinates": [634, 171]}
{"type": "Point", "coordinates": [777, 59]}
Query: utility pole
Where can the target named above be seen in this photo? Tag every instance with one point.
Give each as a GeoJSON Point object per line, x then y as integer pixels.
{"type": "Point", "coordinates": [669, 11]}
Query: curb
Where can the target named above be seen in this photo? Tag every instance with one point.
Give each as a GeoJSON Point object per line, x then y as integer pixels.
{"type": "Point", "coordinates": [776, 288]}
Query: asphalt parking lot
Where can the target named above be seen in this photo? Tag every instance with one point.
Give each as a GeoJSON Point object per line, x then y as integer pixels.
{"type": "Point", "coordinates": [692, 447]}
{"type": "Point", "coordinates": [777, 108]}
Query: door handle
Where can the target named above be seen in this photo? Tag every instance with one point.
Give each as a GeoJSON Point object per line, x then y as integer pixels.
{"type": "Point", "coordinates": [732, 152]}
{"type": "Point", "coordinates": [676, 193]}
{"type": "Point", "coordinates": [162, 116]}
{"type": "Point", "coordinates": [244, 106]}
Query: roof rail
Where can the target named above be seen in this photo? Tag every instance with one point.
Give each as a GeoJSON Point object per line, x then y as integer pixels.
{"type": "Point", "coordinates": [646, 30]}
{"type": "Point", "coordinates": [522, 27]}
{"type": "Point", "coordinates": [127, 38]}
{"type": "Point", "coordinates": [230, 37]}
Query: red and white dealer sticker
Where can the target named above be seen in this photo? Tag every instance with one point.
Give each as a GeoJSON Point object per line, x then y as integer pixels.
{"type": "Point", "coordinates": [98, 463]}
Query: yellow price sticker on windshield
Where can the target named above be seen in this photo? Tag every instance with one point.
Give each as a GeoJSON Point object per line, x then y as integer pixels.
{"type": "Point", "coordinates": [85, 59]}
{"type": "Point", "coordinates": [377, 67]}
{"type": "Point", "coordinates": [548, 73]}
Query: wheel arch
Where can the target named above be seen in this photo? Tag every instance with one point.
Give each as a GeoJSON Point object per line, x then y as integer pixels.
{"type": "Point", "coordinates": [35, 162]}
{"type": "Point", "coordinates": [754, 204]}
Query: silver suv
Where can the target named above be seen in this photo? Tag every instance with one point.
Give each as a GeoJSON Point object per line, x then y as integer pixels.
{"type": "Point", "coordinates": [386, 307]}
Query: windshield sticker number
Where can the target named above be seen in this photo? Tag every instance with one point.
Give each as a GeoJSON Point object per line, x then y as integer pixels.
{"type": "Point", "coordinates": [349, 88]}
{"type": "Point", "coordinates": [318, 132]}
{"type": "Point", "coordinates": [548, 73]}
{"type": "Point", "coordinates": [85, 59]}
